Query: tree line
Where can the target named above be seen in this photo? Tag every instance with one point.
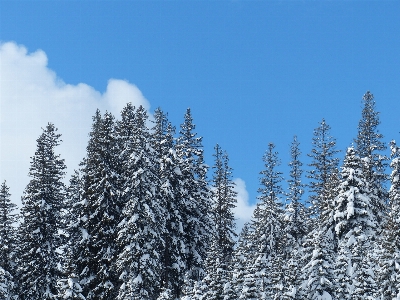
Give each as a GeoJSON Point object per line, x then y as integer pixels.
{"type": "Point", "coordinates": [141, 220]}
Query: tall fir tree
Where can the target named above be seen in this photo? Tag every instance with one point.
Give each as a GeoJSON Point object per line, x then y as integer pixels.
{"type": "Point", "coordinates": [196, 213]}
{"type": "Point", "coordinates": [318, 278]}
{"type": "Point", "coordinates": [323, 163]}
{"type": "Point", "coordinates": [168, 170]}
{"type": "Point", "coordinates": [355, 226]}
{"type": "Point", "coordinates": [241, 254]}
{"type": "Point", "coordinates": [224, 199]}
{"type": "Point", "coordinates": [100, 212]}
{"type": "Point", "coordinates": [318, 274]}
{"type": "Point", "coordinates": [39, 238]}
{"type": "Point", "coordinates": [389, 252]}
{"type": "Point", "coordinates": [68, 285]}
{"type": "Point", "coordinates": [140, 231]}
{"type": "Point", "coordinates": [369, 147]}
{"type": "Point", "coordinates": [267, 225]}
{"type": "Point", "coordinates": [8, 240]}
{"type": "Point", "coordinates": [296, 224]}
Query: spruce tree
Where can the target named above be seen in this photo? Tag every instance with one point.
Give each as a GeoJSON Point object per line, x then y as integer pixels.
{"type": "Point", "coordinates": [267, 224]}
{"type": "Point", "coordinates": [296, 225]}
{"type": "Point", "coordinates": [8, 240]}
{"type": "Point", "coordinates": [196, 220]}
{"type": "Point", "coordinates": [68, 285]}
{"type": "Point", "coordinates": [140, 231]}
{"type": "Point", "coordinates": [355, 226]}
{"type": "Point", "coordinates": [241, 254]}
{"type": "Point", "coordinates": [216, 277]}
{"type": "Point", "coordinates": [39, 239]}
{"type": "Point", "coordinates": [168, 170]}
{"type": "Point", "coordinates": [369, 147]}
{"type": "Point", "coordinates": [7, 285]}
{"type": "Point", "coordinates": [318, 273]}
{"type": "Point", "coordinates": [323, 163]}
{"type": "Point", "coordinates": [224, 201]}
{"type": "Point", "coordinates": [100, 212]}
{"type": "Point", "coordinates": [317, 276]}
{"type": "Point", "coordinates": [389, 252]}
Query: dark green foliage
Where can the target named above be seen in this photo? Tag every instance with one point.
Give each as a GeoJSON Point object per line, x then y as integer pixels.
{"type": "Point", "coordinates": [8, 240]}
{"type": "Point", "coordinates": [39, 231]}
{"type": "Point", "coordinates": [196, 221]}
{"type": "Point", "coordinates": [100, 212]}
{"type": "Point", "coordinates": [369, 147]}
{"type": "Point", "coordinates": [323, 163]}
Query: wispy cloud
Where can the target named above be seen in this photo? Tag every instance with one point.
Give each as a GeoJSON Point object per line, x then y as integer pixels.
{"type": "Point", "coordinates": [244, 210]}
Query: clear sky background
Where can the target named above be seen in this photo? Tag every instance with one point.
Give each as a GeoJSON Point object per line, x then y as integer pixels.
{"type": "Point", "coordinates": [252, 73]}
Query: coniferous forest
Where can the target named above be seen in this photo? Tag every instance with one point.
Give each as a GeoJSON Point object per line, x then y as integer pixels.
{"type": "Point", "coordinates": [140, 219]}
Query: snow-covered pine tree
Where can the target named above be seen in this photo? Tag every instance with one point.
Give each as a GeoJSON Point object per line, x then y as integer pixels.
{"type": "Point", "coordinates": [355, 224]}
{"type": "Point", "coordinates": [322, 164]}
{"type": "Point", "coordinates": [223, 202]}
{"type": "Point", "coordinates": [100, 212]}
{"type": "Point", "coordinates": [7, 286]}
{"type": "Point", "coordinates": [296, 225]}
{"type": "Point", "coordinates": [389, 252]}
{"type": "Point", "coordinates": [68, 285]}
{"type": "Point", "coordinates": [8, 240]}
{"type": "Point", "coordinates": [369, 147]}
{"type": "Point", "coordinates": [140, 231]}
{"type": "Point", "coordinates": [216, 277]}
{"type": "Point", "coordinates": [241, 254]}
{"type": "Point", "coordinates": [318, 274]}
{"type": "Point", "coordinates": [196, 213]}
{"type": "Point", "coordinates": [166, 294]}
{"type": "Point", "coordinates": [250, 290]}
{"type": "Point", "coordinates": [267, 225]}
{"type": "Point", "coordinates": [297, 222]}
{"type": "Point", "coordinates": [169, 190]}
{"type": "Point", "coordinates": [39, 240]}
{"type": "Point", "coordinates": [219, 255]}
{"type": "Point", "coordinates": [319, 246]}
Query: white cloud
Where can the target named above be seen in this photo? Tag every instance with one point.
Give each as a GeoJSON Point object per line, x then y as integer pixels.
{"type": "Point", "coordinates": [243, 211]}
{"type": "Point", "coordinates": [32, 95]}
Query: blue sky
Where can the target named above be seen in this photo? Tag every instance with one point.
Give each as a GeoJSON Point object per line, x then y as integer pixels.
{"type": "Point", "coordinates": [252, 72]}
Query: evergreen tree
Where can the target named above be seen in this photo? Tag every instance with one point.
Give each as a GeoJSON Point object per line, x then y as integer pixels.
{"type": "Point", "coordinates": [68, 285]}
{"type": "Point", "coordinates": [250, 290]}
{"type": "Point", "coordinates": [8, 239]}
{"type": "Point", "coordinates": [241, 254]}
{"type": "Point", "coordinates": [39, 241]}
{"type": "Point", "coordinates": [100, 212]}
{"type": "Point", "coordinates": [319, 277]}
{"type": "Point", "coordinates": [296, 225]}
{"type": "Point", "coordinates": [369, 147]}
{"type": "Point", "coordinates": [216, 277]}
{"type": "Point", "coordinates": [323, 163]}
{"type": "Point", "coordinates": [389, 254]}
{"type": "Point", "coordinates": [224, 201]}
{"type": "Point", "coordinates": [355, 225]}
{"type": "Point", "coordinates": [196, 213]}
{"type": "Point", "coordinates": [267, 224]}
{"type": "Point", "coordinates": [70, 288]}
{"type": "Point", "coordinates": [7, 285]}
{"type": "Point", "coordinates": [140, 231]}
{"type": "Point", "coordinates": [168, 170]}
{"type": "Point", "coordinates": [321, 244]}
